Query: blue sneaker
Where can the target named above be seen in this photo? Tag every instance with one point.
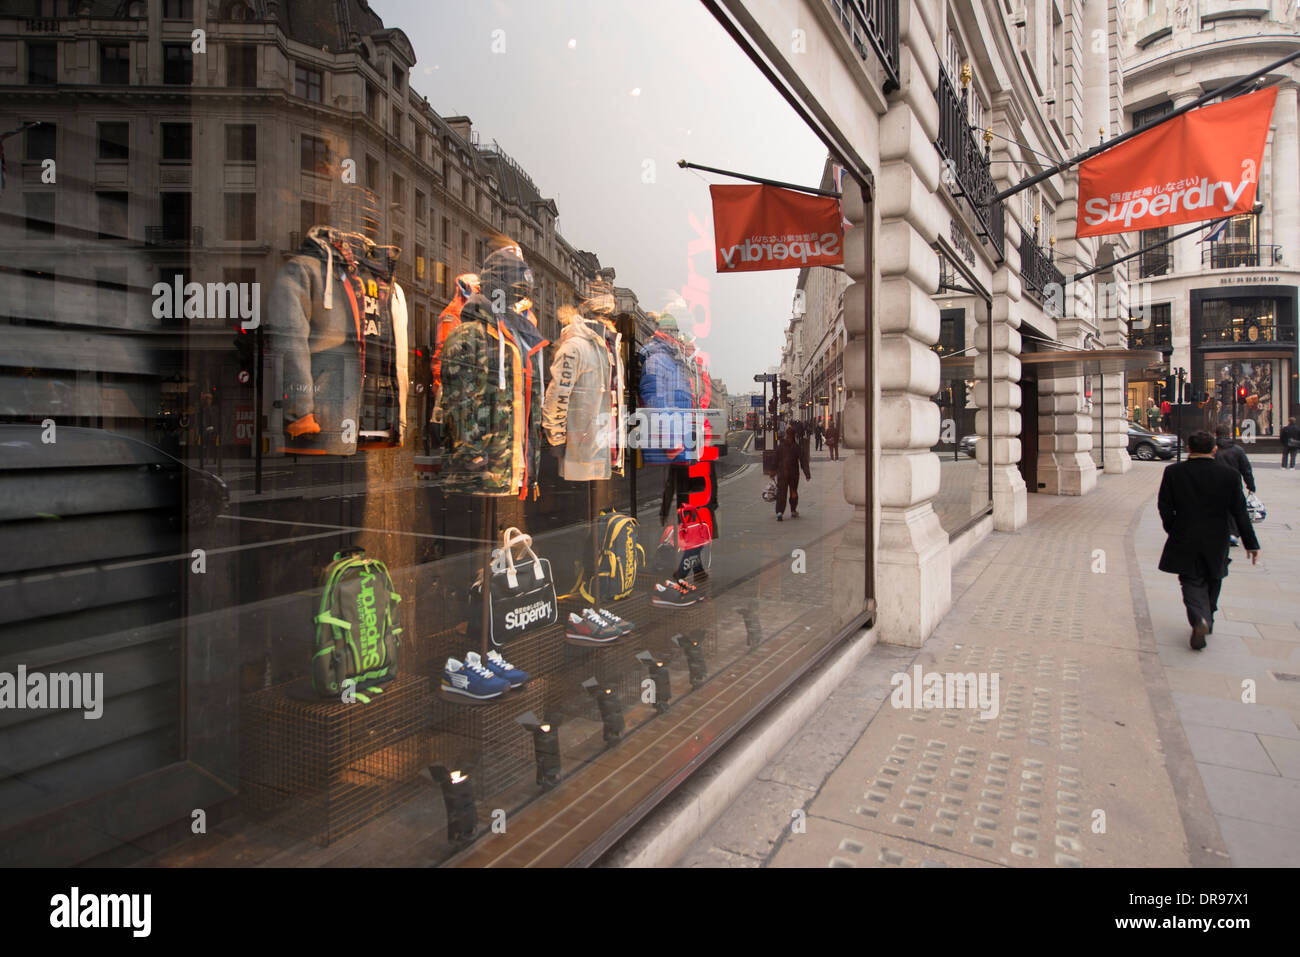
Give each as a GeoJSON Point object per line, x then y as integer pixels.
{"type": "Point", "coordinates": [502, 668]}
{"type": "Point", "coordinates": [472, 680]}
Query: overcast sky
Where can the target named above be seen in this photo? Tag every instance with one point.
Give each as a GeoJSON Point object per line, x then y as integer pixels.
{"type": "Point", "coordinates": [586, 95]}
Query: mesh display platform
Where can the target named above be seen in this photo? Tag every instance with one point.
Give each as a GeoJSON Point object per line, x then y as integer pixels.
{"type": "Point", "coordinates": [319, 769]}
{"type": "Point", "coordinates": [484, 739]}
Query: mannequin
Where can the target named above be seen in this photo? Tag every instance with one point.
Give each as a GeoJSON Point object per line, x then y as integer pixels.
{"type": "Point", "coordinates": [337, 335]}
{"type": "Point", "coordinates": [493, 385]}
{"type": "Point", "coordinates": [338, 321]}
{"type": "Point", "coordinates": [580, 414]}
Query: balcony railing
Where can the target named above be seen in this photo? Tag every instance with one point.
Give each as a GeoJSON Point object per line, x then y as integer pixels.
{"type": "Point", "coordinates": [873, 22]}
{"type": "Point", "coordinates": [173, 237]}
{"type": "Point", "coordinates": [966, 165]}
{"type": "Point", "coordinates": [1037, 272]}
{"type": "Point", "coordinates": [1236, 255]}
{"type": "Point", "coordinates": [1155, 262]}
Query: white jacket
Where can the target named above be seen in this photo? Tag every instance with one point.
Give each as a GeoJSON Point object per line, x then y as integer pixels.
{"type": "Point", "coordinates": [576, 412]}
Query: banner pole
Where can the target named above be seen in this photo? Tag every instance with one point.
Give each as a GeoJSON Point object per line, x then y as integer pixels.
{"type": "Point", "coordinates": [759, 179]}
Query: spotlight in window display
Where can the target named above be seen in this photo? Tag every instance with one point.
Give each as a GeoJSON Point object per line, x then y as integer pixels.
{"type": "Point", "coordinates": [657, 689]}
{"type": "Point", "coordinates": [611, 709]}
{"type": "Point", "coordinates": [458, 800]}
{"type": "Point", "coordinates": [546, 748]}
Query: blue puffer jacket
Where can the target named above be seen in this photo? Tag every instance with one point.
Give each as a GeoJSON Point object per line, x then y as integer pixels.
{"type": "Point", "coordinates": [666, 383]}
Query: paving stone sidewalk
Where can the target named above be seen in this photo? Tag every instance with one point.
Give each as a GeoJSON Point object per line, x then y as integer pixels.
{"type": "Point", "coordinates": [1114, 743]}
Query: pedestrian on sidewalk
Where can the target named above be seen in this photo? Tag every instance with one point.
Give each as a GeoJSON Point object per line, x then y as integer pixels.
{"type": "Point", "coordinates": [821, 434]}
{"type": "Point", "coordinates": [1234, 456]}
{"type": "Point", "coordinates": [791, 455]}
{"type": "Point", "coordinates": [1197, 501]}
{"type": "Point", "coordinates": [1290, 436]}
{"type": "Point", "coordinates": [833, 440]}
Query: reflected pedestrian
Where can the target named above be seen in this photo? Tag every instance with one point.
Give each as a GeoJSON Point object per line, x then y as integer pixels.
{"type": "Point", "coordinates": [791, 456]}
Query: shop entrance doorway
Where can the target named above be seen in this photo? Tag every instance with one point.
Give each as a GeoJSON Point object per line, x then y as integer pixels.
{"type": "Point", "coordinates": [1029, 432]}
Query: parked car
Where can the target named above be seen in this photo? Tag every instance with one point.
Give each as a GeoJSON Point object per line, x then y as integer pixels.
{"type": "Point", "coordinates": [1147, 445]}
{"type": "Point", "coordinates": [179, 489]}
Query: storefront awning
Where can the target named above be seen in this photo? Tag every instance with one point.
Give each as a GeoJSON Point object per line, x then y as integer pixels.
{"type": "Point", "coordinates": [1068, 363]}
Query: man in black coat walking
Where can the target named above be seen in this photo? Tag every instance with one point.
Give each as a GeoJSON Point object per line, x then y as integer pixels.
{"type": "Point", "coordinates": [1197, 500]}
{"type": "Point", "coordinates": [1290, 436]}
{"type": "Point", "coordinates": [1231, 454]}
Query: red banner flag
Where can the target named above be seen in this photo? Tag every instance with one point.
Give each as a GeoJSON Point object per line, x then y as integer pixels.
{"type": "Point", "coordinates": [766, 227]}
{"type": "Point", "coordinates": [1201, 165]}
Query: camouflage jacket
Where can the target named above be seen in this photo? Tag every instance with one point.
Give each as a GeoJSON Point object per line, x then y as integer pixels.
{"type": "Point", "coordinates": [493, 381]}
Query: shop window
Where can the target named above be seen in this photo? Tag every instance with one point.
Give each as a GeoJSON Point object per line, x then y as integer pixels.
{"type": "Point", "coordinates": [114, 63]}
{"type": "Point", "coordinates": [1243, 321]}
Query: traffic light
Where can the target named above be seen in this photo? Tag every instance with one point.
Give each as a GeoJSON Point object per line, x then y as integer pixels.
{"type": "Point", "coordinates": [244, 350]}
{"type": "Point", "coordinates": [1241, 392]}
{"type": "Point", "coordinates": [771, 406]}
{"type": "Point", "coordinates": [785, 390]}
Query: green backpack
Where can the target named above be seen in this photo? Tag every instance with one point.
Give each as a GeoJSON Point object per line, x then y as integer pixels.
{"type": "Point", "coordinates": [357, 626]}
{"type": "Point", "coordinates": [621, 558]}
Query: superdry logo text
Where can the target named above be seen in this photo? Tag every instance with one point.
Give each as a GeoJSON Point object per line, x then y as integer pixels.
{"type": "Point", "coordinates": [796, 250]}
{"type": "Point", "coordinates": [529, 614]}
{"type": "Point", "coordinates": [1132, 210]}
{"type": "Point", "coordinates": [76, 910]}
{"type": "Point", "coordinates": [37, 690]}
{"type": "Point", "coordinates": [369, 619]}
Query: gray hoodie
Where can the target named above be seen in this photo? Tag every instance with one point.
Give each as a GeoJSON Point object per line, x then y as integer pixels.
{"type": "Point", "coordinates": [576, 413]}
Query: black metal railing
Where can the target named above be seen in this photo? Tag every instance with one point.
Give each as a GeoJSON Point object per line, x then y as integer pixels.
{"type": "Point", "coordinates": [174, 236]}
{"type": "Point", "coordinates": [1232, 255]}
{"type": "Point", "coordinates": [966, 163]}
{"type": "Point", "coordinates": [1155, 262]}
{"type": "Point", "coordinates": [873, 22]}
{"type": "Point", "coordinates": [1037, 271]}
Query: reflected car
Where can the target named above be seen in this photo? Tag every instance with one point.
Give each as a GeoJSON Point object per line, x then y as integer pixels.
{"type": "Point", "coordinates": [1147, 446]}
{"type": "Point", "coordinates": [967, 444]}
{"type": "Point", "coordinates": [181, 489]}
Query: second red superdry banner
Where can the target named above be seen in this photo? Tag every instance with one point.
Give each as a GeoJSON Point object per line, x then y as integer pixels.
{"type": "Point", "coordinates": [766, 227]}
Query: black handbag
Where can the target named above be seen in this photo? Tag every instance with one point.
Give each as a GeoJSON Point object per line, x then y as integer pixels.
{"type": "Point", "coordinates": [521, 592]}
